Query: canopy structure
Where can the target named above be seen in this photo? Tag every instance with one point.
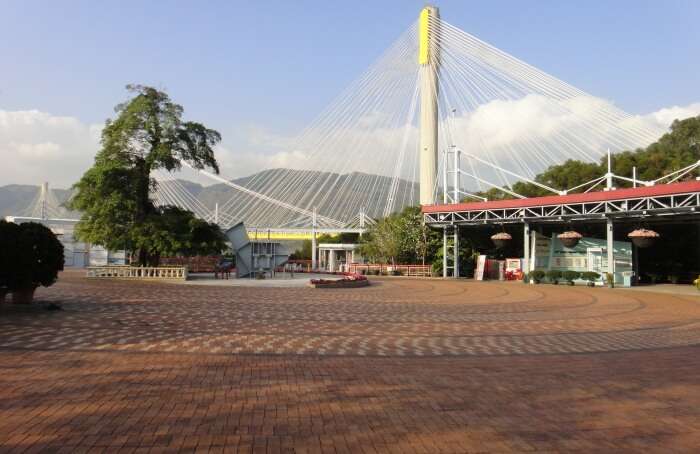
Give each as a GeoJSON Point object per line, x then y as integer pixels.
{"type": "Point", "coordinates": [663, 200]}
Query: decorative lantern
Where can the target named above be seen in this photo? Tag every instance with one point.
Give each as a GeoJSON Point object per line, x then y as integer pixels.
{"type": "Point", "coordinates": [570, 238]}
{"type": "Point", "coordinates": [643, 237]}
{"type": "Point", "coordinates": [501, 240]}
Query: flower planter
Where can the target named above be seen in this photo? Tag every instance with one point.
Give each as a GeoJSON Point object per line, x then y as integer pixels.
{"type": "Point", "coordinates": [643, 238]}
{"type": "Point", "coordinates": [501, 240]}
{"type": "Point", "coordinates": [23, 296]}
{"type": "Point", "coordinates": [340, 283]}
{"type": "Point", "coordinates": [570, 239]}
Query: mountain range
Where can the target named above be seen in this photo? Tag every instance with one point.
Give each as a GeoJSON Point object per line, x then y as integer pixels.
{"type": "Point", "coordinates": [344, 195]}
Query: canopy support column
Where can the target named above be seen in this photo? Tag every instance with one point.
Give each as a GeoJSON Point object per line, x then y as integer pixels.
{"type": "Point", "coordinates": [610, 246]}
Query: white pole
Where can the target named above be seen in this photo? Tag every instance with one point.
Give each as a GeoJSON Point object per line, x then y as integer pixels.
{"type": "Point", "coordinates": [313, 241]}
{"type": "Point", "coordinates": [216, 213]}
{"type": "Point", "coordinates": [444, 251]}
{"type": "Point", "coordinates": [455, 269]}
{"type": "Point", "coordinates": [526, 247]}
{"type": "Point", "coordinates": [611, 252]}
{"type": "Point", "coordinates": [456, 175]}
{"type": "Point", "coordinates": [609, 175]}
{"type": "Point", "coordinates": [445, 158]}
{"type": "Point", "coordinates": [634, 176]}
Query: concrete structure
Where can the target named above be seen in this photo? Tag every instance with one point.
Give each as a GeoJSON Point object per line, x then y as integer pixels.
{"type": "Point", "coordinates": [428, 59]}
{"type": "Point", "coordinates": [257, 255]}
{"type": "Point", "coordinates": [336, 256]}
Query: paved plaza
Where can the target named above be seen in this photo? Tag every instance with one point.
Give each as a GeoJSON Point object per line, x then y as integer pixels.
{"type": "Point", "coordinates": [406, 365]}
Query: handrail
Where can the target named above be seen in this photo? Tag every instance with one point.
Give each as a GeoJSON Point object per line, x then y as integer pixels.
{"type": "Point", "coordinates": [143, 272]}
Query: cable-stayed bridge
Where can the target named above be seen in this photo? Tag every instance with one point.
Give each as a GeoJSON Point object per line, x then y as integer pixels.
{"type": "Point", "coordinates": [382, 144]}
{"type": "Point", "coordinates": [389, 139]}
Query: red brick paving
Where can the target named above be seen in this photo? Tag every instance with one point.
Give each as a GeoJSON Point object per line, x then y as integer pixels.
{"type": "Point", "coordinates": [94, 394]}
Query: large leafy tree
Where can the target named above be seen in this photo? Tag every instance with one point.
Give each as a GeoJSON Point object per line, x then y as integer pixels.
{"type": "Point", "coordinates": [147, 134]}
{"type": "Point", "coordinates": [674, 150]}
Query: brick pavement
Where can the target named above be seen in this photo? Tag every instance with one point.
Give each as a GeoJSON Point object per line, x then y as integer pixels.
{"type": "Point", "coordinates": [402, 366]}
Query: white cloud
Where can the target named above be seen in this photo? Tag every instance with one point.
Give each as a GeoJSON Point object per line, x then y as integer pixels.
{"type": "Point", "coordinates": [37, 146]}
{"type": "Point", "coordinates": [664, 117]}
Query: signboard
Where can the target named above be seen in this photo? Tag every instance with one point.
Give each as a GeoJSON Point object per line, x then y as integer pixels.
{"type": "Point", "coordinates": [480, 266]}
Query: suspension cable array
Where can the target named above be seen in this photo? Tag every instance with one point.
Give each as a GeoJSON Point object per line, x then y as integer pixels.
{"type": "Point", "coordinates": [508, 119]}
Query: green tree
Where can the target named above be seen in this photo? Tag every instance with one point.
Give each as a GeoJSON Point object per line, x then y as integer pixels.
{"type": "Point", "coordinates": [401, 237]}
{"type": "Point", "coordinates": [674, 150]}
{"type": "Point", "coordinates": [147, 134]}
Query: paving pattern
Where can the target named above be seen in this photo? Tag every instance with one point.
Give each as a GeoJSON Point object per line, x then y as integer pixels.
{"type": "Point", "coordinates": [406, 365]}
{"type": "Point", "coordinates": [391, 318]}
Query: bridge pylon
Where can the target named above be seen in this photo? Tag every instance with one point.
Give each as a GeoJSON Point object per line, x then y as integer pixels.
{"type": "Point", "coordinates": [429, 60]}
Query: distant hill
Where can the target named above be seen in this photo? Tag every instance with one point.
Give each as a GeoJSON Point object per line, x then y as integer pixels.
{"type": "Point", "coordinates": [332, 194]}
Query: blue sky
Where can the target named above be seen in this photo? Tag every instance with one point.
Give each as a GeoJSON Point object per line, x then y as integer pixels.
{"type": "Point", "coordinates": [276, 64]}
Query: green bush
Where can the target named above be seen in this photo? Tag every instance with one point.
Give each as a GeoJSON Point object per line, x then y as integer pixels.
{"type": "Point", "coordinates": [537, 276]}
{"type": "Point", "coordinates": [39, 257]}
{"type": "Point", "coordinates": [590, 276]}
{"type": "Point", "coordinates": [570, 276]}
{"type": "Point", "coordinates": [9, 234]}
{"type": "Point", "coordinates": [397, 273]}
{"type": "Point", "coordinates": [553, 276]}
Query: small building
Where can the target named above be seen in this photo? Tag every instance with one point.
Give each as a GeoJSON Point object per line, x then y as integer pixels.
{"type": "Point", "coordinates": [336, 257]}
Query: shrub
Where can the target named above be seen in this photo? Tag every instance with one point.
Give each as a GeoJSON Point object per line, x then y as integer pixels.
{"type": "Point", "coordinates": [697, 283]}
{"type": "Point", "coordinates": [590, 276]}
{"type": "Point", "coordinates": [39, 257]}
{"type": "Point", "coordinates": [9, 234]}
{"type": "Point", "coordinates": [397, 273]}
{"type": "Point", "coordinates": [553, 276]}
{"type": "Point", "coordinates": [570, 276]}
{"type": "Point", "coordinates": [537, 276]}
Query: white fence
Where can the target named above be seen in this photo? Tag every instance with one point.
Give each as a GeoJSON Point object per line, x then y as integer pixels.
{"type": "Point", "coordinates": [130, 272]}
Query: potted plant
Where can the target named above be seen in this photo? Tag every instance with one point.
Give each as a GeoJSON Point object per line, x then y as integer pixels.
{"type": "Point", "coordinates": [591, 277]}
{"type": "Point", "coordinates": [537, 276]}
{"type": "Point", "coordinates": [570, 239]}
{"type": "Point", "coordinates": [501, 240]}
{"type": "Point", "coordinates": [553, 276]}
{"type": "Point", "coordinates": [570, 276]}
{"type": "Point", "coordinates": [39, 259]}
{"type": "Point", "coordinates": [9, 233]}
{"type": "Point", "coordinates": [610, 279]}
{"type": "Point", "coordinates": [643, 238]}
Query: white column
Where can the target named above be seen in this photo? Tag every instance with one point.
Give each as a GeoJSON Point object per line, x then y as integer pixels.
{"type": "Point", "coordinates": [526, 247]}
{"type": "Point", "coordinates": [314, 264]}
{"type": "Point", "coordinates": [611, 251]}
{"type": "Point", "coordinates": [444, 251]}
{"type": "Point", "coordinates": [455, 270]}
{"type": "Point", "coordinates": [331, 260]}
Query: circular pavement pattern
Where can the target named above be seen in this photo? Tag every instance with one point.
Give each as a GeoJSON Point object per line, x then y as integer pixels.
{"type": "Point", "coordinates": [393, 317]}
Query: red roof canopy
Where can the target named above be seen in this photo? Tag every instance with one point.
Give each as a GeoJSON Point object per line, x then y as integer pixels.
{"type": "Point", "coordinates": [599, 196]}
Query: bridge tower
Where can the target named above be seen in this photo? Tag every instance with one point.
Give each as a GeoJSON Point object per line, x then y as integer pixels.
{"type": "Point", "coordinates": [428, 59]}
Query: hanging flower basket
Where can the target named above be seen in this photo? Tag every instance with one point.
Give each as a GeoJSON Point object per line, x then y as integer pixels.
{"type": "Point", "coordinates": [501, 240]}
{"type": "Point", "coordinates": [643, 238]}
{"type": "Point", "coordinates": [570, 238]}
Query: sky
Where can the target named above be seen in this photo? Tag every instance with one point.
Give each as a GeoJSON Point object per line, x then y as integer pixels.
{"type": "Point", "coordinates": [258, 71]}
